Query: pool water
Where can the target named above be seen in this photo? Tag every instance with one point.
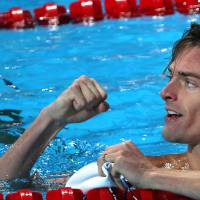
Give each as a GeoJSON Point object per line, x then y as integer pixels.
{"type": "Point", "coordinates": [126, 56]}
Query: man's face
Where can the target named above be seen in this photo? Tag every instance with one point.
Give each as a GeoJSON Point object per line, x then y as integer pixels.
{"type": "Point", "coordinates": [182, 97]}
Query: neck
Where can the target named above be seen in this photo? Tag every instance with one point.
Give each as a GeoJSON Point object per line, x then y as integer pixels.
{"type": "Point", "coordinates": [193, 155]}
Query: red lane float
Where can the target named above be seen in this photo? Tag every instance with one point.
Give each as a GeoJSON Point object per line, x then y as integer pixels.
{"type": "Point", "coordinates": [139, 194]}
{"type": "Point", "coordinates": [16, 18]}
{"type": "Point", "coordinates": [24, 194]}
{"type": "Point", "coordinates": [86, 10]}
{"type": "Point", "coordinates": [1, 196]}
{"type": "Point", "coordinates": [91, 10]}
{"type": "Point", "coordinates": [156, 7]}
{"type": "Point", "coordinates": [105, 194]}
{"type": "Point", "coordinates": [110, 194]}
{"type": "Point", "coordinates": [121, 8]}
{"type": "Point", "coordinates": [144, 194]}
{"type": "Point", "coordinates": [51, 14]}
{"type": "Point", "coordinates": [162, 195]}
{"type": "Point", "coordinates": [188, 6]}
{"type": "Point", "coordinates": [64, 194]}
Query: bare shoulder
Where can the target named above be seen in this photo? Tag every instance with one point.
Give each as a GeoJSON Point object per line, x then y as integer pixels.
{"type": "Point", "coordinates": [172, 161]}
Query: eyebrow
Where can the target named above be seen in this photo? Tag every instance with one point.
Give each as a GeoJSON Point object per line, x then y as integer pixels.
{"type": "Point", "coordinates": [185, 74]}
{"type": "Point", "coordinates": [190, 74]}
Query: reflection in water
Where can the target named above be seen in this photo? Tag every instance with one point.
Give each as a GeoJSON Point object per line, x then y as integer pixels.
{"type": "Point", "coordinates": [10, 125]}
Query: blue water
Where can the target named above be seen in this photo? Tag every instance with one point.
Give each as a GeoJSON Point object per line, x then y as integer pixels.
{"type": "Point", "coordinates": [126, 56]}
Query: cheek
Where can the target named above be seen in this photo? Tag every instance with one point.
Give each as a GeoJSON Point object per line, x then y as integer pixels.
{"type": "Point", "coordinates": [192, 122]}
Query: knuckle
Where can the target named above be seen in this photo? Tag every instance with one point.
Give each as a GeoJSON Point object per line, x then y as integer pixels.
{"type": "Point", "coordinates": [75, 85]}
{"type": "Point", "coordinates": [93, 80]}
{"type": "Point", "coordinates": [75, 81]}
{"type": "Point", "coordinates": [127, 143]}
{"type": "Point", "coordinates": [83, 77]}
{"type": "Point", "coordinates": [73, 88]}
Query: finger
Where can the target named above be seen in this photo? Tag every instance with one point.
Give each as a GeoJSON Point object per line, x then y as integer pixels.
{"type": "Point", "coordinates": [118, 182]}
{"type": "Point", "coordinates": [114, 148]}
{"type": "Point", "coordinates": [100, 163]}
{"type": "Point", "coordinates": [112, 157]}
{"type": "Point", "coordinates": [102, 107]}
{"type": "Point", "coordinates": [101, 160]}
{"type": "Point", "coordinates": [90, 84]}
{"type": "Point", "coordinates": [88, 112]}
{"type": "Point", "coordinates": [127, 146]}
{"type": "Point", "coordinates": [131, 147]}
{"type": "Point", "coordinates": [135, 149]}
{"type": "Point", "coordinates": [79, 100]}
{"type": "Point", "coordinates": [115, 175]}
{"type": "Point", "coordinates": [100, 89]}
{"type": "Point", "coordinates": [89, 95]}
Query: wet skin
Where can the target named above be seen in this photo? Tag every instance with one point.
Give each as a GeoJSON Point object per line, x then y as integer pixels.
{"type": "Point", "coordinates": [182, 125]}
{"type": "Point", "coordinates": [182, 96]}
{"type": "Point", "coordinates": [85, 98]}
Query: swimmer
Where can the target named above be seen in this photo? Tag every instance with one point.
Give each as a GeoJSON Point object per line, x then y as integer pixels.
{"type": "Point", "coordinates": [182, 125]}
{"type": "Point", "coordinates": [85, 98]}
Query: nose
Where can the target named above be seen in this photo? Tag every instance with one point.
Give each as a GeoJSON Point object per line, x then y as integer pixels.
{"type": "Point", "coordinates": [169, 92]}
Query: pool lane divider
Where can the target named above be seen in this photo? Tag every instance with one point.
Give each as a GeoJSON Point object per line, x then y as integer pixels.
{"type": "Point", "coordinates": [91, 10]}
{"type": "Point", "coordinates": [86, 11]}
{"type": "Point", "coordinates": [94, 194]}
{"type": "Point", "coordinates": [51, 14]}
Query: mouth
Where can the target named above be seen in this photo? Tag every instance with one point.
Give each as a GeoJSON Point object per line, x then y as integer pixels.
{"type": "Point", "coordinates": [173, 115]}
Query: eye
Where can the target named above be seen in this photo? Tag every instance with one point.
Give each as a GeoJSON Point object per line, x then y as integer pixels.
{"type": "Point", "coordinates": [190, 84]}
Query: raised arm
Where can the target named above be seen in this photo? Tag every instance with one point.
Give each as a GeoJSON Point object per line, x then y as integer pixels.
{"type": "Point", "coordinates": [84, 99]}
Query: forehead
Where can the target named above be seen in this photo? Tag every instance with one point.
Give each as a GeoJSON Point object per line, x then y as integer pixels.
{"type": "Point", "coordinates": [188, 61]}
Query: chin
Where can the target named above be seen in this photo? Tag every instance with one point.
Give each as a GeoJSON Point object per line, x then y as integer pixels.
{"type": "Point", "coordinates": [169, 135]}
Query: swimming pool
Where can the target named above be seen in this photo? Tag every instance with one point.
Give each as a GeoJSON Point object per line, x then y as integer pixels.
{"type": "Point", "coordinates": [126, 56]}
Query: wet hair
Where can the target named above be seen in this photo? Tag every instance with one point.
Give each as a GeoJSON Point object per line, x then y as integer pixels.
{"type": "Point", "coordinates": [190, 38]}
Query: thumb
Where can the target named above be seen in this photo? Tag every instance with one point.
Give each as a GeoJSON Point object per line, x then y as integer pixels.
{"type": "Point", "coordinates": [102, 107]}
{"type": "Point", "coordinates": [88, 113]}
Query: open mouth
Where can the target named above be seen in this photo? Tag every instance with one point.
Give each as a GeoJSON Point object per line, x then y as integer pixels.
{"type": "Point", "coordinates": [173, 115]}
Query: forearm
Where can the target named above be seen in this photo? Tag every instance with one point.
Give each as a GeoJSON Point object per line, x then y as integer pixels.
{"type": "Point", "coordinates": [182, 182]}
{"type": "Point", "coordinates": [84, 99]}
{"type": "Point", "coordinates": [19, 159]}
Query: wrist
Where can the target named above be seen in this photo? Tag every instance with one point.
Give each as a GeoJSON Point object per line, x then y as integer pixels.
{"type": "Point", "coordinates": [49, 113]}
{"type": "Point", "coordinates": [159, 179]}
{"type": "Point", "coordinates": [148, 180]}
